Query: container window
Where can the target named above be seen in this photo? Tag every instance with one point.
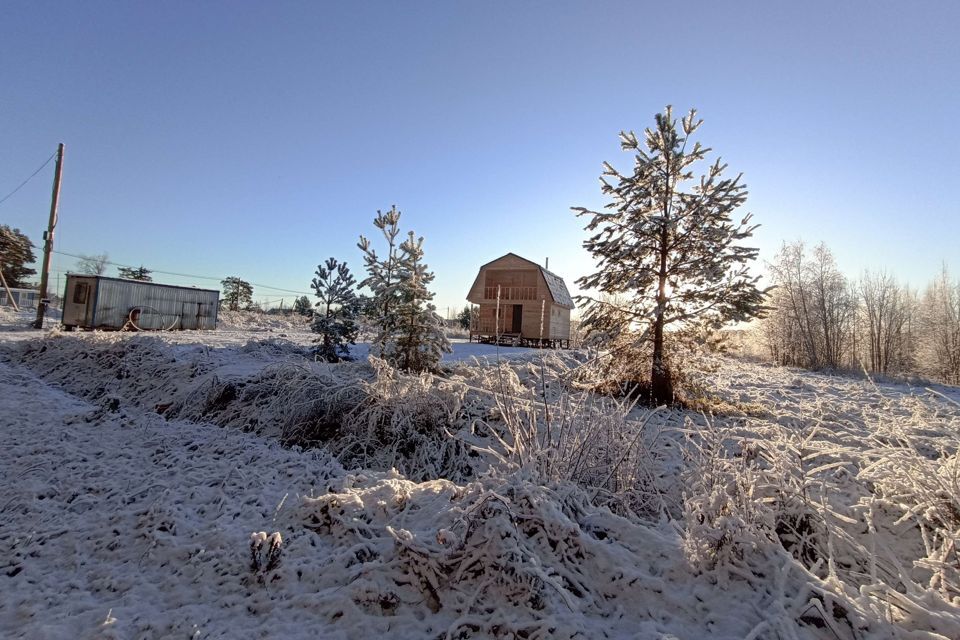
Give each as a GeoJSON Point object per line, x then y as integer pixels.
{"type": "Point", "coordinates": [80, 293]}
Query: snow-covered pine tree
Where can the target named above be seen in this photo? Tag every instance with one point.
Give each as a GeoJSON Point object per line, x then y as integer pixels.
{"type": "Point", "coordinates": [418, 341]}
{"type": "Point", "coordinates": [16, 254]}
{"type": "Point", "coordinates": [409, 331]}
{"type": "Point", "coordinates": [669, 256]}
{"type": "Point", "coordinates": [382, 278]}
{"type": "Point", "coordinates": [336, 316]}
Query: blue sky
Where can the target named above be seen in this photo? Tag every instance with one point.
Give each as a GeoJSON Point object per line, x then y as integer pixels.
{"type": "Point", "coordinates": [257, 139]}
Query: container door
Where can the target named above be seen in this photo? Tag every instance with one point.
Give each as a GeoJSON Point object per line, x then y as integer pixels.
{"type": "Point", "coordinates": [77, 303]}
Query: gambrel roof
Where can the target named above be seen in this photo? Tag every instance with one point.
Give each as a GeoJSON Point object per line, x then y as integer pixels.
{"type": "Point", "coordinates": [555, 284]}
{"type": "Point", "coordinates": [558, 288]}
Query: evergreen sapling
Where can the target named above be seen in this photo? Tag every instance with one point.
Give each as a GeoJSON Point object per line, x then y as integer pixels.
{"type": "Point", "coordinates": [410, 333]}
{"type": "Point", "coordinates": [335, 318]}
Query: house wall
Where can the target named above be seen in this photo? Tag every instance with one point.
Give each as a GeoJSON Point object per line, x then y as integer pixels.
{"type": "Point", "coordinates": [560, 323]}
{"type": "Point", "coordinates": [556, 320]}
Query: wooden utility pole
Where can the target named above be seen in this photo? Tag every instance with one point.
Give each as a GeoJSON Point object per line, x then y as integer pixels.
{"type": "Point", "coordinates": [48, 241]}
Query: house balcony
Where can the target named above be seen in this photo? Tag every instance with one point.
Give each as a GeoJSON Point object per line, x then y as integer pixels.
{"type": "Point", "coordinates": [510, 293]}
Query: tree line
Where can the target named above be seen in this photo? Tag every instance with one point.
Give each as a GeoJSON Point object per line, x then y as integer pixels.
{"type": "Point", "coordinates": [821, 319]}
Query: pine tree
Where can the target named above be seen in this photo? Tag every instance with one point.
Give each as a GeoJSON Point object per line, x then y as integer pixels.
{"type": "Point", "coordinates": [464, 318]}
{"type": "Point", "coordinates": [336, 316]}
{"type": "Point", "coordinates": [382, 278]}
{"type": "Point", "coordinates": [140, 273]}
{"type": "Point", "coordinates": [16, 252]}
{"type": "Point", "coordinates": [418, 342]}
{"type": "Point", "coordinates": [669, 256]}
{"type": "Point", "coordinates": [237, 293]}
{"type": "Point", "coordinates": [410, 333]}
{"type": "Point", "coordinates": [302, 306]}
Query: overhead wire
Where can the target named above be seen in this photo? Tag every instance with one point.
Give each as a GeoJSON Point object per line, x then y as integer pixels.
{"type": "Point", "coordinates": [181, 275]}
{"type": "Point", "coordinates": [117, 264]}
{"type": "Point", "coordinates": [31, 176]}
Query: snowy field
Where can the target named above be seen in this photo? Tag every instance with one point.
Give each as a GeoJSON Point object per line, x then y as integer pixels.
{"type": "Point", "coordinates": [223, 485]}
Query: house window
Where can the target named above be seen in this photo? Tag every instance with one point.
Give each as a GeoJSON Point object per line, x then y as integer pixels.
{"type": "Point", "coordinates": [80, 293]}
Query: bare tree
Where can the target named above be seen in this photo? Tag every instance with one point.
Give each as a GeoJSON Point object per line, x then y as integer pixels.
{"type": "Point", "coordinates": [95, 265]}
{"type": "Point", "coordinates": [834, 306]}
{"type": "Point", "coordinates": [886, 312]}
{"type": "Point", "coordinates": [811, 324]}
{"type": "Point", "coordinates": [941, 329]}
{"type": "Point", "coordinates": [788, 329]}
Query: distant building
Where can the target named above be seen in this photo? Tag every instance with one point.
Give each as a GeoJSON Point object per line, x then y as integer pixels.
{"type": "Point", "coordinates": [25, 298]}
{"type": "Point", "coordinates": [520, 302]}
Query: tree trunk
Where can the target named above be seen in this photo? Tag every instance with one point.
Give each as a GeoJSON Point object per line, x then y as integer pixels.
{"type": "Point", "coordinates": [661, 380]}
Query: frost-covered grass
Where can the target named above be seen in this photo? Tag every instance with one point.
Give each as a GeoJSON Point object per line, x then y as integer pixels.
{"type": "Point", "coordinates": [490, 501]}
{"type": "Point", "coordinates": [856, 480]}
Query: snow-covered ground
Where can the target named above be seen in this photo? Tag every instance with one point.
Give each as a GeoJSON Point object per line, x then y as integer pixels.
{"type": "Point", "coordinates": [139, 467]}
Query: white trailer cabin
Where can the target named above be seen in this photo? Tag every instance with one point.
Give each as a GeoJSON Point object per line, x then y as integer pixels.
{"type": "Point", "coordinates": [98, 302]}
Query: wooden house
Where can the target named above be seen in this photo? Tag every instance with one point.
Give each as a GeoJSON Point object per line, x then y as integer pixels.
{"type": "Point", "coordinates": [520, 302]}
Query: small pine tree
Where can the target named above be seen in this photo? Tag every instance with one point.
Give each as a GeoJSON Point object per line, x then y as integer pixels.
{"type": "Point", "coordinates": [140, 273]}
{"type": "Point", "coordinates": [410, 333]}
{"type": "Point", "coordinates": [382, 278]}
{"type": "Point", "coordinates": [237, 293]}
{"type": "Point", "coordinates": [419, 341]}
{"type": "Point", "coordinates": [671, 256]}
{"type": "Point", "coordinates": [336, 317]}
{"type": "Point", "coordinates": [302, 306]}
{"type": "Point", "coordinates": [464, 318]}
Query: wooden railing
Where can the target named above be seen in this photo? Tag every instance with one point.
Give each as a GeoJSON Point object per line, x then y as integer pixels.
{"type": "Point", "coordinates": [510, 293]}
{"type": "Point", "coordinates": [487, 328]}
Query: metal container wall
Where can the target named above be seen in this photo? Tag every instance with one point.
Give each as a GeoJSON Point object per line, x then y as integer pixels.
{"type": "Point", "coordinates": [115, 302]}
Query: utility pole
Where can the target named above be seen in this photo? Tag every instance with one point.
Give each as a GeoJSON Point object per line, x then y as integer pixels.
{"type": "Point", "coordinates": [48, 241]}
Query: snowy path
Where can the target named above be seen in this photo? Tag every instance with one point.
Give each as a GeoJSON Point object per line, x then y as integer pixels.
{"type": "Point", "coordinates": [119, 528]}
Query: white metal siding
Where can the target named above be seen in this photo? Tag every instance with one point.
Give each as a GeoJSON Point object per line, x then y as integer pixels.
{"type": "Point", "coordinates": [159, 306]}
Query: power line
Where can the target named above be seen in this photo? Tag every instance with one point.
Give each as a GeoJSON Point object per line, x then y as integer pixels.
{"type": "Point", "coordinates": [45, 163]}
{"type": "Point", "coordinates": [183, 275]}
